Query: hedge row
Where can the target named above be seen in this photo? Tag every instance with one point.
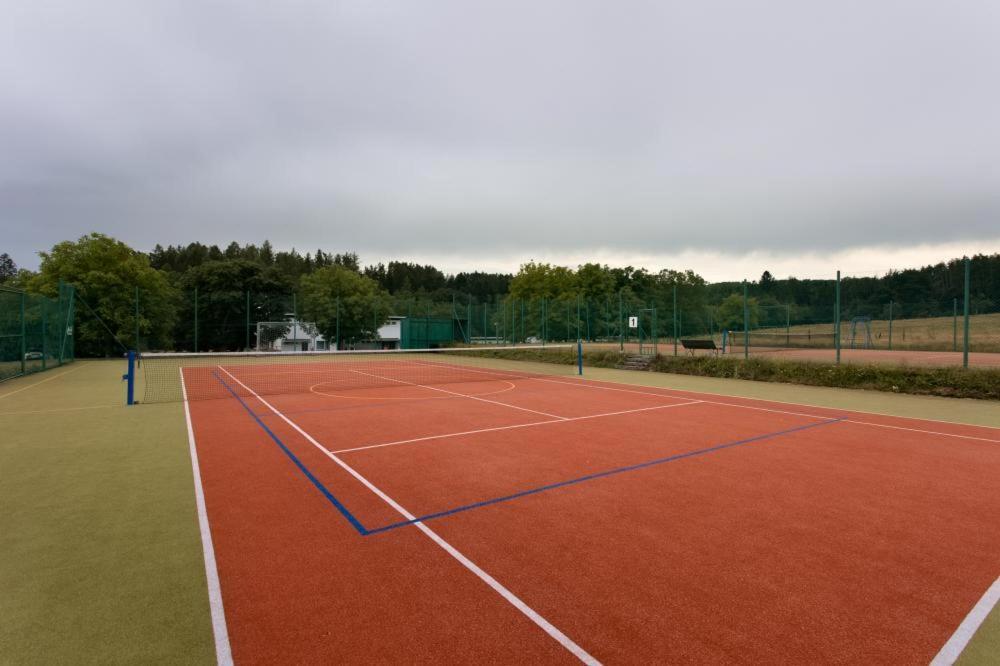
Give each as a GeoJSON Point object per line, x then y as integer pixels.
{"type": "Point", "coordinates": [953, 382]}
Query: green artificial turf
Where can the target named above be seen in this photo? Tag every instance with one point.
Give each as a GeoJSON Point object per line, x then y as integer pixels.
{"type": "Point", "coordinates": [100, 553]}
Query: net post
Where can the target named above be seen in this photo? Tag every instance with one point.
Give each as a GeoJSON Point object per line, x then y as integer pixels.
{"type": "Point", "coordinates": [746, 323]}
{"type": "Point", "coordinates": [836, 317]}
{"type": "Point", "coordinates": [130, 378]}
{"type": "Point", "coordinates": [965, 313]}
{"type": "Point", "coordinates": [579, 357]}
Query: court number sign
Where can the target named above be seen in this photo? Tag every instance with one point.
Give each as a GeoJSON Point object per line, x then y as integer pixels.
{"type": "Point", "coordinates": [633, 322]}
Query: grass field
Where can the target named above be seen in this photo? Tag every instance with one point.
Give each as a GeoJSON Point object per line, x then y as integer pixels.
{"type": "Point", "coordinates": [101, 557]}
{"type": "Point", "coordinates": [928, 334]}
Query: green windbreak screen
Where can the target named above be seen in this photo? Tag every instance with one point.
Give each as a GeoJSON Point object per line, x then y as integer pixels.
{"type": "Point", "coordinates": [36, 332]}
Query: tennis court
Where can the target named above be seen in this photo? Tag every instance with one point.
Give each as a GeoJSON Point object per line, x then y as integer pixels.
{"type": "Point", "coordinates": [429, 507]}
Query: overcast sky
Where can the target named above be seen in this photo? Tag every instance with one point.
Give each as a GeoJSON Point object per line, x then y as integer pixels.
{"type": "Point", "coordinates": [725, 137]}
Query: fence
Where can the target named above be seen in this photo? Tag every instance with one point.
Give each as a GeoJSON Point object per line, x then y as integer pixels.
{"type": "Point", "coordinates": [36, 332]}
{"type": "Point", "coordinates": [747, 322]}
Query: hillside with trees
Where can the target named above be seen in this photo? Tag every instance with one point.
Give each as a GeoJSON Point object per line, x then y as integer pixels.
{"type": "Point", "coordinates": [218, 294]}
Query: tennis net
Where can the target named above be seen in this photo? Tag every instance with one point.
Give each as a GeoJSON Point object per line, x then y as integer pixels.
{"type": "Point", "coordinates": [771, 342]}
{"type": "Point", "coordinates": [204, 376]}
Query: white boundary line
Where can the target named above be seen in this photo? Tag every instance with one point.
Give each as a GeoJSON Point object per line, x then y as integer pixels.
{"type": "Point", "coordinates": [513, 427]}
{"type": "Point", "coordinates": [460, 395]}
{"type": "Point", "coordinates": [588, 382]}
{"type": "Point", "coordinates": [509, 596]}
{"type": "Point", "coordinates": [223, 653]}
{"type": "Point", "coordinates": [591, 383]}
{"type": "Point", "coordinates": [960, 639]}
{"type": "Point", "coordinates": [585, 384]}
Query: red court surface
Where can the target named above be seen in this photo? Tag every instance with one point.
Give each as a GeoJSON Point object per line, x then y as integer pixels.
{"type": "Point", "coordinates": [561, 520]}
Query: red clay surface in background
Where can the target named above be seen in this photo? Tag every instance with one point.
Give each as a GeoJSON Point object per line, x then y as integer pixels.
{"type": "Point", "coordinates": [878, 356]}
{"type": "Point", "coordinates": [863, 540]}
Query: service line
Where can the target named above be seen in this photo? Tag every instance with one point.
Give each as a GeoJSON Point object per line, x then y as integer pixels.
{"type": "Point", "coordinates": [515, 426]}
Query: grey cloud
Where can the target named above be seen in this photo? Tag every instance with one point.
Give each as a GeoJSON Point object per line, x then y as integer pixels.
{"type": "Point", "coordinates": [403, 129]}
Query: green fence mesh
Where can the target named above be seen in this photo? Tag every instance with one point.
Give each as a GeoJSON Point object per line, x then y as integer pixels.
{"type": "Point", "coordinates": [36, 332]}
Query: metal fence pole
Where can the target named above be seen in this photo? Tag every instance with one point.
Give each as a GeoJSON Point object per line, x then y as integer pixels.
{"type": "Point", "coordinates": [954, 324]}
{"type": "Point", "coordinates": [746, 323]}
{"type": "Point", "coordinates": [836, 318]}
{"type": "Point", "coordinates": [137, 319]}
{"type": "Point", "coordinates": [45, 346]}
{"type": "Point", "coordinates": [24, 335]}
{"type": "Point", "coordinates": [196, 318]}
{"type": "Point", "coordinates": [247, 343]}
{"type": "Point", "coordinates": [890, 325]}
{"type": "Point", "coordinates": [621, 324]}
{"type": "Point", "coordinates": [675, 320]}
{"type": "Point", "coordinates": [965, 312]}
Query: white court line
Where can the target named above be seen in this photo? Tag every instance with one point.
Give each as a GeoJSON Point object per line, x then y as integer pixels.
{"type": "Point", "coordinates": [782, 411]}
{"type": "Point", "coordinates": [47, 379]}
{"type": "Point", "coordinates": [509, 596]}
{"type": "Point", "coordinates": [461, 395]}
{"type": "Point", "coordinates": [223, 653]}
{"type": "Point", "coordinates": [921, 430]}
{"type": "Point", "coordinates": [584, 383]}
{"type": "Point", "coordinates": [513, 427]}
{"type": "Point", "coordinates": [960, 639]}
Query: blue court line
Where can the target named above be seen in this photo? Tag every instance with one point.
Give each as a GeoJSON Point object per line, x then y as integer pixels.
{"type": "Point", "coordinates": [598, 475]}
{"type": "Point", "coordinates": [298, 463]}
{"type": "Point", "coordinates": [363, 531]}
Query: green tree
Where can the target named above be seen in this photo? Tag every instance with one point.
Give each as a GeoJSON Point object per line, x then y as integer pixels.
{"type": "Point", "coordinates": [536, 280]}
{"type": "Point", "coordinates": [8, 269]}
{"type": "Point", "coordinates": [363, 305]}
{"type": "Point", "coordinates": [106, 272]}
{"type": "Point", "coordinates": [730, 312]}
{"type": "Point", "coordinates": [223, 287]}
{"type": "Point", "coordinates": [595, 282]}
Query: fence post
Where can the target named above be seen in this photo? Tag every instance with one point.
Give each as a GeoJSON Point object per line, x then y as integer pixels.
{"type": "Point", "coordinates": [675, 319]}
{"type": "Point", "coordinates": [137, 319]}
{"type": "Point", "coordinates": [621, 324]}
{"type": "Point", "coordinates": [788, 323]}
{"type": "Point", "coordinates": [965, 312]}
{"type": "Point", "coordinates": [578, 317]}
{"type": "Point", "coordinates": [746, 323]}
{"type": "Point", "coordinates": [196, 319]}
{"type": "Point", "coordinates": [247, 344]}
{"type": "Point", "coordinates": [337, 333]}
{"type": "Point", "coordinates": [24, 335]}
{"type": "Point", "coordinates": [45, 342]}
{"type": "Point", "coordinates": [954, 324]}
{"type": "Point", "coordinates": [890, 325]}
{"type": "Point", "coordinates": [836, 318]}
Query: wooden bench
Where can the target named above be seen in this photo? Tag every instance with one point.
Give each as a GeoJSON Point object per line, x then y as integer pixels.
{"type": "Point", "coordinates": [691, 345]}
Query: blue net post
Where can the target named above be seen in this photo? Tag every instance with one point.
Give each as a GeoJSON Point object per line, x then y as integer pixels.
{"type": "Point", "coordinates": [579, 357]}
{"type": "Point", "coordinates": [130, 379]}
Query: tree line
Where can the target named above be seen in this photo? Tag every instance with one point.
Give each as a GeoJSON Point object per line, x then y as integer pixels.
{"type": "Point", "coordinates": [226, 291]}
